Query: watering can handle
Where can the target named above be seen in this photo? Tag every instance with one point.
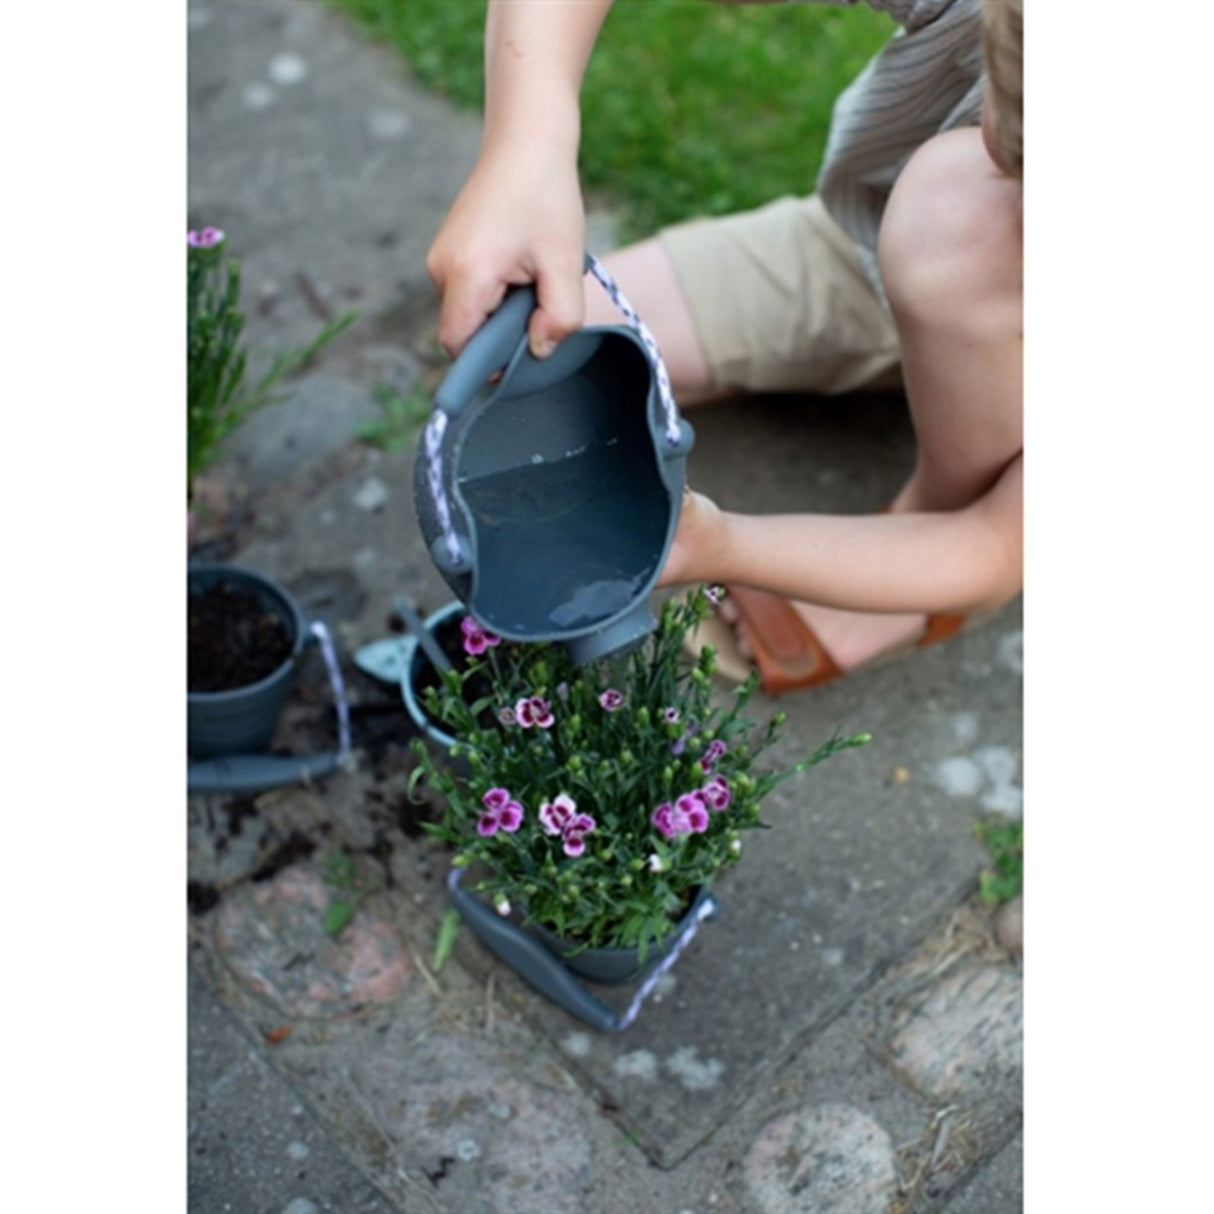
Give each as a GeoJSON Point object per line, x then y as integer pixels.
{"type": "Point", "coordinates": [488, 349]}
{"type": "Point", "coordinates": [248, 774]}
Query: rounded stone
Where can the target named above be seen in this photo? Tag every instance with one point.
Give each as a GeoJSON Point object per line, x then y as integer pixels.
{"type": "Point", "coordinates": [272, 938]}
{"type": "Point", "coordinates": [1009, 926]}
{"type": "Point", "coordinates": [825, 1159]}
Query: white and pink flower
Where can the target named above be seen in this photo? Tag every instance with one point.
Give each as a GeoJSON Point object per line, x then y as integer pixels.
{"type": "Point", "coordinates": [611, 699]}
{"type": "Point", "coordinates": [560, 817]}
{"type": "Point", "coordinates": [502, 812]}
{"type": "Point", "coordinates": [716, 793]}
{"type": "Point", "coordinates": [556, 815]}
{"type": "Point", "coordinates": [708, 759]}
{"type": "Point", "coordinates": [534, 710]}
{"type": "Point", "coordinates": [476, 638]}
{"type": "Point", "coordinates": [204, 238]}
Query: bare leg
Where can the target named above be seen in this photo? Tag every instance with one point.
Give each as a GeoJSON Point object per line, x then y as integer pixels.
{"type": "Point", "coordinates": [951, 260]}
{"type": "Point", "coordinates": [647, 278]}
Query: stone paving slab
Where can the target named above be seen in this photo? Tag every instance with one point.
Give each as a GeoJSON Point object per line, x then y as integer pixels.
{"type": "Point", "coordinates": [329, 174]}
{"type": "Point", "coordinates": [253, 1145]}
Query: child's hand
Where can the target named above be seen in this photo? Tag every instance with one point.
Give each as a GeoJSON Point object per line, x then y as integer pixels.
{"type": "Point", "coordinates": [518, 219]}
{"type": "Point", "coordinates": [698, 540]}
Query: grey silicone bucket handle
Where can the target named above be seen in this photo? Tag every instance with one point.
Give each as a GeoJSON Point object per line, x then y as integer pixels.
{"type": "Point", "coordinates": [532, 961]}
{"type": "Point", "coordinates": [489, 348]}
{"type": "Point", "coordinates": [239, 774]}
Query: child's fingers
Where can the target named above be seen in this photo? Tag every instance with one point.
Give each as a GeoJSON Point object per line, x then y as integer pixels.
{"type": "Point", "coordinates": [561, 305]}
{"type": "Point", "coordinates": [466, 304]}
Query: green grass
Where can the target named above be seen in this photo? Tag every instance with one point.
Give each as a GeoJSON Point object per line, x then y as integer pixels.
{"type": "Point", "coordinates": [689, 108]}
{"type": "Point", "coordinates": [1004, 879]}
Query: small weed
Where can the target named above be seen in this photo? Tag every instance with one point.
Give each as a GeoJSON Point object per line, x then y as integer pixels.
{"type": "Point", "coordinates": [448, 929]}
{"type": "Point", "coordinates": [402, 417]}
{"type": "Point", "coordinates": [341, 876]}
{"type": "Point", "coordinates": [1004, 879]}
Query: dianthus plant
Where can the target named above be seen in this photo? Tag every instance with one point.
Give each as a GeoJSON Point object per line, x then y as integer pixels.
{"type": "Point", "coordinates": [597, 800]}
{"type": "Point", "coordinates": [218, 399]}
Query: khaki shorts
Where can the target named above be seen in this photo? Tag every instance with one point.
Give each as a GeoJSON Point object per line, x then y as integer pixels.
{"type": "Point", "coordinates": [781, 302]}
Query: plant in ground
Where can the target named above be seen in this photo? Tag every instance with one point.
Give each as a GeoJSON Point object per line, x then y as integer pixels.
{"type": "Point", "coordinates": [1004, 879]}
{"type": "Point", "coordinates": [600, 799]}
{"type": "Point", "coordinates": [217, 397]}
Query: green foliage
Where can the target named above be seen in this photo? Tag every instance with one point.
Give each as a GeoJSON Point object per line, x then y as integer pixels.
{"type": "Point", "coordinates": [448, 930]}
{"type": "Point", "coordinates": [341, 875]}
{"type": "Point", "coordinates": [668, 739]}
{"type": "Point", "coordinates": [400, 420]}
{"type": "Point", "coordinates": [218, 399]}
{"type": "Point", "coordinates": [688, 108]}
{"type": "Point", "coordinates": [1004, 879]}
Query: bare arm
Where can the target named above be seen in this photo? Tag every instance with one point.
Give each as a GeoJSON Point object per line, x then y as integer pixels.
{"type": "Point", "coordinates": [963, 560]}
{"type": "Point", "coordinates": [519, 217]}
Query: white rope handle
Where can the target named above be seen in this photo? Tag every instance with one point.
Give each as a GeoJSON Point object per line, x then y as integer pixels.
{"type": "Point", "coordinates": [705, 909]}
{"type": "Point", "coordinates": [321, 633]}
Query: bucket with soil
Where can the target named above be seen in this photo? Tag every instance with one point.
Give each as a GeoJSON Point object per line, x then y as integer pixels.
{"type": "Point", "coordinates": [245, 637]}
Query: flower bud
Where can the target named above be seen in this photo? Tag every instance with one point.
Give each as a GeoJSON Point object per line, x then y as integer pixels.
{"type": "Point", "coordinates": [642, 716]}
{"type": "Point", "coordinates": [628, 758]}
{"type": "Point", "coordinates": [575, 763]}
{"type": "Point", "coordinates": [461, 861]}
{"type": "Point", "coordinates": [626, 881]}
{"type": "Point", "coordinates": [606, 855]}
{"type": "Point", "coordinates": [636, 864]}
{"type": "Point", "coordinates": [667, 776]}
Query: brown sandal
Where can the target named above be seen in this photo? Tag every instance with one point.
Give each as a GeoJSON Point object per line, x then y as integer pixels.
{"type": "Point", "coordinates": [787, 651]}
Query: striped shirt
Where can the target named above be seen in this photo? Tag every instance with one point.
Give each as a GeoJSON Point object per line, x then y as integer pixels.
{"type": "Point", "coordinates": [928, 78]}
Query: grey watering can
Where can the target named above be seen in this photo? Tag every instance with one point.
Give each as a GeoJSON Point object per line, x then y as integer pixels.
{"type": "Point", "coordinates": [549, 498]}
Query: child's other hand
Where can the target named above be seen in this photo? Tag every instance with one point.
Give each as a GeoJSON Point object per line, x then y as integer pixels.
{"type": "Point", "coordinates": [698, 541]}
{"type": "Point", "coordinates": [518, 219]}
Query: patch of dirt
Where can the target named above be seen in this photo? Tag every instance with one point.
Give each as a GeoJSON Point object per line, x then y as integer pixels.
{"type": "Point", "coordinates": [233, 640]}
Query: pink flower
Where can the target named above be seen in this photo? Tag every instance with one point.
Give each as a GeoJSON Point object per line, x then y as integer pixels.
{"type": "Point", "coordinates": [502, 812]}
{"type": "Point", "coordinates": [582, 825]}
{"type": "Point", "coordinates": [716, 793]}
{"type": "Point", "coordinates": [686, 816]}
{"type": "Point", "coordinates": [708, 760]}
{"type": "Point", "coordinates": [611, 699]}
{"type": "Point", "coordinates": [714, 594]}
{"type": "Point", "coordinates": [670, 715]}
{"type": "Point", "coordinates": [662, 819]}
{"type": "Point", "coordinates": [507, 716]}
{"type": "Point", "coordinates": [691, 807]}
{"type": "Point", "coordinates": [534, 710]}
{"type": "Point", "coordinates": [476, 639]}
{"type": "Point", "coordinates": [560, 817]}
{"type": "Point", "coordinates": [557, 814]}
{"type": "Point", "coordinates": [205, 239]}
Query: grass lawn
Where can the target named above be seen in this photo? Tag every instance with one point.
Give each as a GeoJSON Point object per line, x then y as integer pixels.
{"type": "Point", "coordinates": [689, 108]}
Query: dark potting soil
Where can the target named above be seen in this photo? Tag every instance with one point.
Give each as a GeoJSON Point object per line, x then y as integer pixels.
{"type": "Point", "coordinates": [233, 640]}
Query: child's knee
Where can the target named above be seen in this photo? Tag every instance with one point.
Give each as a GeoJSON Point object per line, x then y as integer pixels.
{"type": "Point", "coordinates": [950, 243]}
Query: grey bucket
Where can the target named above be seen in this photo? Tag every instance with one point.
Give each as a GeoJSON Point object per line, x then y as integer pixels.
{"type": "Point", "coordinates": [227, 731]}
{"type": "Point", "coordinates": [549, 499]}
